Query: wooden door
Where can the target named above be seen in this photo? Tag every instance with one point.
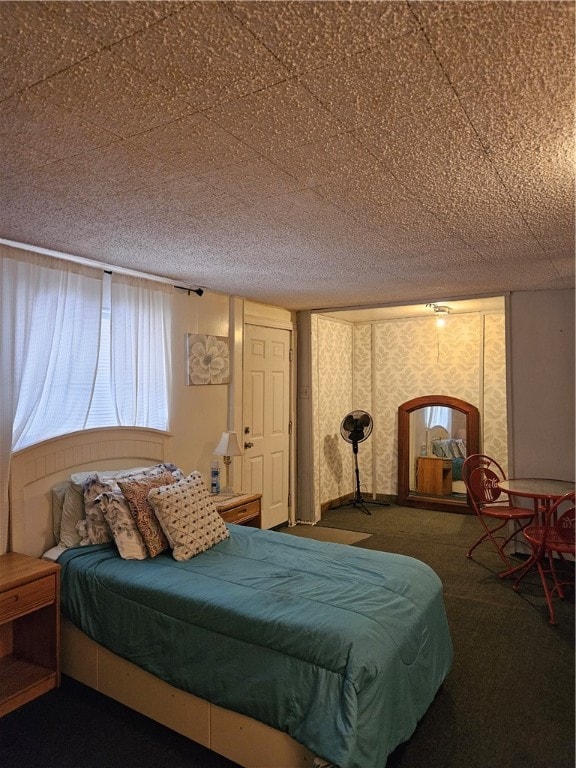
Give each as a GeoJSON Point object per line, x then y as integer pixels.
{"type": "Point", "coordinates": [266, 465]}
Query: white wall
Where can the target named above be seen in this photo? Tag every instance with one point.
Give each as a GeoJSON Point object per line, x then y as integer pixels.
{"type": "Point", "coordinates": [200, 414]}
{"type": "Point", "coordinates": [540, 350]}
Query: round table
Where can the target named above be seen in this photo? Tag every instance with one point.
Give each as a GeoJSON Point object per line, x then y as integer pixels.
{"type": "Point", "coordinates": [540, 489]}
{"type": "Point", "coordinates": [543, 491]}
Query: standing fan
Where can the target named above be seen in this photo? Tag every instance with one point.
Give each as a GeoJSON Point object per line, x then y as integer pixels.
{"type": "Point", "coordinates": [356, 427]}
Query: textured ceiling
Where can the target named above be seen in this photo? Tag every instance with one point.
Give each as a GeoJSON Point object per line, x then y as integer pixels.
{"type": "Point", "coordinates": [304, 154]}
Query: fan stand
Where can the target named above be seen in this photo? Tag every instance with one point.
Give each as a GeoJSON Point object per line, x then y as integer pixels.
{"type": "Point", "coordinates": [358, 500]}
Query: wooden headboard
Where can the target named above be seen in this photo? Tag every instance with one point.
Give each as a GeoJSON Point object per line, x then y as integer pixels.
{"type": "Point", "coordinates": [35, 470]}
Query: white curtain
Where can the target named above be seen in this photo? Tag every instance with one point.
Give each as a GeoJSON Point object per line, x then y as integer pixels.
{"type": "Point", "coordinates": [140, 362]}
{"type": "Point", "coordinates": [50, 313]}
{"type": "Point", "coordinates": [438, 416]}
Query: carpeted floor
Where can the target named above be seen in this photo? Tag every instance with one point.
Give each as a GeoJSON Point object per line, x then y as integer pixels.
{"type": "Point", "coordinates": [507, 703]}
{"type": "Point", "coordinates": [509, 700]}
{"type": "Point", "coordinates": [335, 535]}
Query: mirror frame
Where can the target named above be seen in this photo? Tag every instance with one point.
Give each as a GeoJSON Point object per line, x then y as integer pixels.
{"type": "Point", "coordinates": [408, 498]}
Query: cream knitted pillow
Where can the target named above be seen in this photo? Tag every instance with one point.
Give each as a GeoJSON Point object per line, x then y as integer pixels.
{"type": "Point", "coordinates": [188, 516]}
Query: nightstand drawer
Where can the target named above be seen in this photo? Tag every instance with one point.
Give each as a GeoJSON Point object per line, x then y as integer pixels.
{"type": "Point", "coordinates": [27, 598]}
{"type": "Point", "coordinates": [242, 514]}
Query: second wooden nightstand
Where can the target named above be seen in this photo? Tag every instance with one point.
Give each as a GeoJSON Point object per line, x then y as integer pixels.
{"type": "Point", "coordinates": [242, 509]}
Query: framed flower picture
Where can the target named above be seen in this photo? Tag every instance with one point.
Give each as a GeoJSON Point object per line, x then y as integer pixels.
{"type": "Point", "coordinates": [207, 359]}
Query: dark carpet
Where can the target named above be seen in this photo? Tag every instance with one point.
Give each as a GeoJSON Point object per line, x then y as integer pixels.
{"type": "Point", "coordinates": [507, 703]}
{"type": "Point", "coordinates": [509, 699]}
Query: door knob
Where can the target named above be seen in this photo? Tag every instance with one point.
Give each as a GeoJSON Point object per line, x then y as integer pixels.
{"type": "Point", "coordinates": [248, 445]}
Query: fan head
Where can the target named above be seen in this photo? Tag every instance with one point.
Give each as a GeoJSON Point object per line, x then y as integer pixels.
{"type": "Point", "coordinates": [356, 426]}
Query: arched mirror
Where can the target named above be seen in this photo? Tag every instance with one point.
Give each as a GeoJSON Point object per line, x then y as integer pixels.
{"type": "Point", "coordinates": [435, 434]}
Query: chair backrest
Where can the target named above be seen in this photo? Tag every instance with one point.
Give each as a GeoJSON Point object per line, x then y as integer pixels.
{"type": "Point", "coordinates": [481, 475]}
{"type": "Point", "coordinates": [565, 523]}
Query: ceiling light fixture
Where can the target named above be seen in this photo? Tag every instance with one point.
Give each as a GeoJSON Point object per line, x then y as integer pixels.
{"type": "Point", "coordinates": [441, 311]}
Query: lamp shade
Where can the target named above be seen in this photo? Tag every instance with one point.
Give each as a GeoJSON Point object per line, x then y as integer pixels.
{"type": "Point", "coordinates": [228, 445]}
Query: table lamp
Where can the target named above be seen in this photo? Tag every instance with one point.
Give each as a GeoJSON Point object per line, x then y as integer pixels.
{"type": "Point", "coordinates": [228, 447]}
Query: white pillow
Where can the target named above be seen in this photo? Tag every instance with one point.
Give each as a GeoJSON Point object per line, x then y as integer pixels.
{"type": "Point", "coordinates": [188, 516]}
{"type": "Point", "coordinates": [79, 478]}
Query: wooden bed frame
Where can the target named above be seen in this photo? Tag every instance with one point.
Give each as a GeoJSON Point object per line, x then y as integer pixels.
{"type": "Point", "coordinates": [34, 472]}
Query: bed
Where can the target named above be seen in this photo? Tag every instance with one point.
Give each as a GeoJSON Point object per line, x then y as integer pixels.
{"type": "Point", "coordinates": [273, 649]}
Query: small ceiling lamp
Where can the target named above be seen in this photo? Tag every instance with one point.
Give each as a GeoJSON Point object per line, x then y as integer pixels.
{"type": "Point", "coordinates": [441, 311]}
{"type": "Point", "coordinates": [228, 447]}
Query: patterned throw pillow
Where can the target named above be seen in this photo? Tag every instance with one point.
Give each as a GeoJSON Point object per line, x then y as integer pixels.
{"type": "Point", "coordinates": [123, 526]}
{"type": "Point", "coordinates": [96, 526]}
{"type": "Point", "coordinates": [96, 483]}
{"type": "Point", "coordinates": [82, 530]}
{"type": "Point", "coordinates": [188, 516]}
{"type": "Point", "coordinates": [136, 492]}
{"type": "Point", "coordinates": [82, 519]}
{"type": "Point", "coordinates": [460, 448]}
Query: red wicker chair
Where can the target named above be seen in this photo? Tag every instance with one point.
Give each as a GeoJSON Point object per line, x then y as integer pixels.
{"type": "Point", "coordinates": [554, 536]}
{"type": "Point", "coordinates": [481, 475]}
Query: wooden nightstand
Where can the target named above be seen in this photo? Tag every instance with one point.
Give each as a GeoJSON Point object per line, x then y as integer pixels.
{"type": "Point", "coordinates": [434, 476]}
{"type": "Point", "coordinates": [243, 509]}
{"type": "Point", "coordinates": [29, 629]}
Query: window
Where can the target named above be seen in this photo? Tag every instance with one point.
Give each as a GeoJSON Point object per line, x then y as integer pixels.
{"type": "Point", "coordinates": [102, 412]}
{"type": "Point", "coordinates": [80, 349]}
{"type": "Point", "coordinates": [438, 416]}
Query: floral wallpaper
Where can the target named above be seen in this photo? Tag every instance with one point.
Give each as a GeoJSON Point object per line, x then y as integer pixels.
{"type": "Point", "coordinates": [362, 398]}
{"type": "Point", "coordinates": [334, 402]}
{"type": "Point", "coordinates": [495, 432]}
{"type": "Point", "coordinates": [413, 357]}
{"type": "Point", "coordinates": [377, 366]}
{"type": "Point", "coordinates": [315, 321]}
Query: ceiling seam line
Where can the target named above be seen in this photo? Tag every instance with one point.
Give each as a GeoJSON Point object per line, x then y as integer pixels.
{"type": "Point", "coordinates": [351, 132]}
{"type": "Point", "coordinates": [483, 146]}
{"type": "Point", "coordinates": [319, 68]}
{"type": "Point", "coordinates": [101, 47]}
{"type": "Point", "coordinates": [454, 233]}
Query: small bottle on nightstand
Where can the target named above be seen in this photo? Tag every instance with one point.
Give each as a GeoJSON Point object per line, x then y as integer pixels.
{"type": "Point", "coordinates": [215, 477]}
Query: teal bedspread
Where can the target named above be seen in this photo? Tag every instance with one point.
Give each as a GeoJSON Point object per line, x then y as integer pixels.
{"type": "Point", "coordinates": [343, 648]}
